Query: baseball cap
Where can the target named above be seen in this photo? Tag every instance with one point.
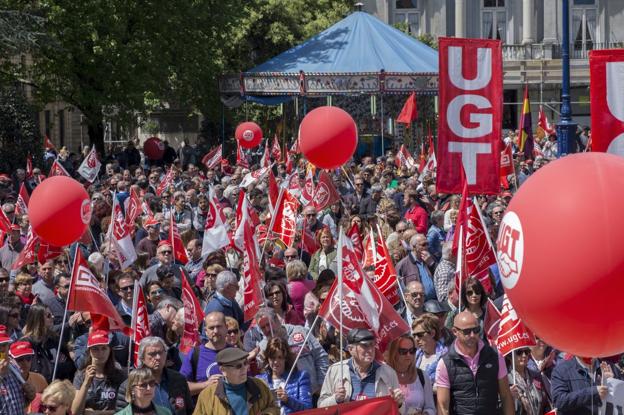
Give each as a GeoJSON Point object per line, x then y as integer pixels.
{"type": "Point", "coordinates": [97, 338]}
{"type": "Point", "coordinates": [21, 349]}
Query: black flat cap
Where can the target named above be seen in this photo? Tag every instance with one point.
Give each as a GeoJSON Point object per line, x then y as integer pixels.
{"type": "Point", "coordinates": [230, 355]}
{"type": "Point", "coordinates": [360, 335]}
{"type": "Point", "coordinates": [436, 307]}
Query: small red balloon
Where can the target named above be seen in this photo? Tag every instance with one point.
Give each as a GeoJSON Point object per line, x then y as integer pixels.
{"type": "Point", "coordinates": [328, 137]}
{"type": "Point", "coordinates": [154, 148]}
{"type": "Point", "coordinates": [59, 210]}
{"type": "Point", "coordinates": [248, 134]}
{"type": "Point", "coordinates": [561, 254]}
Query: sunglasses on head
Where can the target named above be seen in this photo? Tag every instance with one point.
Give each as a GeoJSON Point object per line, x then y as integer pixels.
{"type": "Point", "coordinates": [404, 352]}
{"type": "Point", "coordinates": [469, 330]}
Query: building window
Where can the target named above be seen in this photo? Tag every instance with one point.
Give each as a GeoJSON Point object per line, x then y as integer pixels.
{"type": "Point", "coordinates": [406, 4]}
{"type": "Point", "coordinates": [494, 20]}
{"type": "Point", "coordinates": [407, 15]}
{"type": "Point", "coordinates": [583, 30]}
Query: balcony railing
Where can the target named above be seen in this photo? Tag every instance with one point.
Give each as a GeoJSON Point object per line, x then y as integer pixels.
{"type": "Point", "coordinates": [538, 51]}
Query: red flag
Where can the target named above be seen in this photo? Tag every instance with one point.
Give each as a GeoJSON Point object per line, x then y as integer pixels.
{"type": "Point", "coordinates": [133, 209]}
{"type": "Point", "coordinates": [21, 204]}
{"type": "Point", "coordinates": [512, 334]}
{"type": "Point", "coordinates": [409, 112]}
{"type": "Point", "coordinates": [265, 161]}
{"type": "Point", "coordinates": [165, 182]}
{"type": "Point", "coordinates": [294, 149]}
{"type": "Point", "coordinates": [253, 177]}
{"type": "Point", "coordinates": [212, 159]}
{"type": "Point", "coordinates": [307, 193]}
{"type": "Point", "coordinates": [47, 143]}
{"type": "Point", "coordinates": [216, 235]}
{"type": "Point", "coordinates": [542, 122]}
{"type": "Point", "coordinates": [140, 320]}
{"type": "Point", "coordinates": [605, 92]}
{"type": "Point", "coordinates": [308, 241]}
{"type": "Point", "coordinates": [193, 316]}
{"type": "Point", "coordinates": [179, 253]}
{"type": "Point", "coordinates": [121, 237]}
{"type": "Point", "coordinates": [5, 223]}
{"type": "Point", "coordinates": [273, 191]}
{"type": "Point", "coordinates": [57, 169]}
{"type": "Point", "coordinates": [27, 254]}
{"type": "Point", "coordinates": [90, 166]}
{"type": "Point", "coordinates": [431, 163]}
{"type": "Point", "coordinates": [375, 406]}
{"type": "Point", "coordinates": [47, 252]}
{"type": "Point", "coordinates": [506, 161]}
{"type": "Point", "coordinates": [276, 151]}
{"type": "Point", "coordinates": [364, 306]}
{"type": "Point", "coordinates": [241, 160]}
{"type": "Point", "coordinates": [29, 167]}
{"type": "Point", "coordinates": [471, 105]}
{"type": "Point", "coordinates": [404, 159]}
{"type": "Point", "coordinates": [370, 251]}
{"type": "Point", "coordinates": [289, 163]}
{"type": "Point", "coordinates": [354, 234]}
{"type": "Point", "coordinates": [325, 193]}
{"type": "Point", "coordinates": [285, 223]}
{"type": "Point", "coordinates": [385, 274]}
{"type": "Point", "coordinates": [86, 294]}
{"type": "Point", "coordinates": [478, 253]}
{"type": "Point", "coordinates": [491, 323]}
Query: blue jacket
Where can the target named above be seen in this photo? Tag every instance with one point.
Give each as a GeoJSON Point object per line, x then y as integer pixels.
{"type": "Point", "coordinates": [228, 307]}
{"type": "Point", "coordinates": [297, 389]}
{"type": "Point", "coordinates": [573, 389]}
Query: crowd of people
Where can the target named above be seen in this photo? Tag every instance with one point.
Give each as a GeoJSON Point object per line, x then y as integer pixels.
{"type": "Point", "coordinates": [284, 360]}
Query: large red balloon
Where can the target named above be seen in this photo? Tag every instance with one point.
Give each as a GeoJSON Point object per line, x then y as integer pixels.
{"type": "Point", "coordinates": [248, 134]}
{"type": "Point", "coordinates": [59, 210]}
{"type": "Point", "coordinates": [328, 137]}
{"type": "Point", "coordinates": [561, 253]}
{"type": "Point", "coordinates": [154, 148]}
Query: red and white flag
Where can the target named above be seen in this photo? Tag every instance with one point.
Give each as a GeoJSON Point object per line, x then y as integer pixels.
{"type": "Point", "coordinates": [385, 274]}
{"type": "Point", "coordinates": [47, 252]}
{"type": "Point", "coordinates": [47, 143]}
{"type": "Point", "coordinates": [5, 223]}
{"type": "Point", "coordinates": [245, 240]}
{"type": "Point", "coordinates": [86, 294]}
{"type": "Point", "coordinates": [27, 254]}
{"type": "Point", "coordinates": [265, 161]}
{"type": "Point", "coordinates": [273, 191]}
{"type": "Point", "coordinates": [325, 193]}
{"type": "Point", "coordinates": [506, 161]}
{"type": "Point", "coordinates": [471, 106]}
{"type": "Point", "coordinates": [491, 323]}
{"type": "Point", "coordinates": [121, 237]}
{"type": "Point", "coordinates": [308, 239]}
{"type": "Point", "coordinates": [285, 223]}
{"type": "Point", "coordinates": [542, 122]}
{"type": "Point", "coordinates": [241, 159]}
{"type": "Point", "coordinates": [478, 252]}
{"type": "Point", "coordinates": [363, 305]}
{"type": "Point", "coordinates": [165, 182]}
{"type": "Point", "coordinates": [289, 162]}
{"type": "Point", "coordinates": [276, 150]}
{"type": "Point", "coordinates": [29, 167]}
{"type": "Point", "coordinates": [193, 315]}
{"type": "Point", "coordinates": [57, 169]}
{"type": "Point", "coordinates": [254, 177]}
{"type": "Point", "coordinates": [404, 159]}
{"type": "Point", "coordinates": [431, 164]}
{"type": "Point", "coordinates": [90, 166]}
{"type": "Point", "coordinates": [140, 320]}
{"type": "Point", "coordinates": [307, 193]}
{"type": "Point", "coordinates": [179, 253]}
{"type": "Point", "coordinates": [294, 148]}
{"type": "Point", "coordinates": [512, 333]}
{"type": "Point", "coordinates": [216, 229]}
{"type": "Point", "coordinates": [133, 209]}
{"type": "Point", "coordinates": [212, 159]}
{"type": "Point", "coordinates": [354, 234]}
{"type": "Point", "coordinates": [21, 204]}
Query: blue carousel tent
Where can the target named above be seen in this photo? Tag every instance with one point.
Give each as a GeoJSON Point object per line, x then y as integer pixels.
{"type": "Point", "coordinates": [359, 54]}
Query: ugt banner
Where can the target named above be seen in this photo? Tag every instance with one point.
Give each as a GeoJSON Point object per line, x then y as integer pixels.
{"type": "Point", "coordinates": [471, 107]}
{"type": "Point", "coordinates": [606, 74]}
{"type": "Point", "coordinates": [374, 406]}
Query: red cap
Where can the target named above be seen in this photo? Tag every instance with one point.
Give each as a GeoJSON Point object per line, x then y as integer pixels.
{"type": "Point", "coordinates": [150, 222]}
{"type": "Point", "coordinates": [166, 242]}
{"type": "Point", "coordinates": [15, 227]}
{"type": "Point", "coordinates": [20, 349]}
{"type": "Point", "coordinates": [4, 335]}
{"type": "Point", "coordinates": [98, 337]}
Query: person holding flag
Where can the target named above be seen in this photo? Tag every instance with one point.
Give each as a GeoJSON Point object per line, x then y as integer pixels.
{"type": "Point", "coordinates": [527, 388]}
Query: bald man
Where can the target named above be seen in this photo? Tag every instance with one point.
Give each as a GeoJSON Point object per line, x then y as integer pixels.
{"type": "Point", "coordinates": [472, 376]}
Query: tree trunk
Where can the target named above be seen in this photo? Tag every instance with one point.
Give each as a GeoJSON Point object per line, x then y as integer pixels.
{"type": "Point", "coordinates": [96, 135]}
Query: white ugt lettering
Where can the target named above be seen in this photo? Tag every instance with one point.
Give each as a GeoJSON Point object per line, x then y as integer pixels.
{"type": "Point", "coordinates": [483, 121]}
{"type": "Point", "coordinates": [469, 153]}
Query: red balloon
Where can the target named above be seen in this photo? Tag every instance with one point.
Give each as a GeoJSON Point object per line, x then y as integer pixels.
{"type": "Point", "coordinates": [248, 134]}
{"type": "Point", "coordinates": [59, 210]}
{"type": "Point", "coordinates": [561, 254]}
{"type": "Point", "coordinates": [328, 137]}
{"type": "Point", "coordinates": [154, 148]}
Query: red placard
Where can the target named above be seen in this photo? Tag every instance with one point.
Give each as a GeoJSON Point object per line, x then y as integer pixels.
{"type": "Point", "coordinates": [606, 73]}
{"type": "Point", "coordinates": [471, 107]}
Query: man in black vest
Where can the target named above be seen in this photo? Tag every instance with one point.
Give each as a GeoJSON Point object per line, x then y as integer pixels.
{"type": "Point", "coordinates": [472, 376]}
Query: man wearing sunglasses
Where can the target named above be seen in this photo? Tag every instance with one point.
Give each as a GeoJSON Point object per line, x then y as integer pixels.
{"type": "Point", "coordinates": [235, 393]}
{"type": "Point", "coordinates": [472, 376]}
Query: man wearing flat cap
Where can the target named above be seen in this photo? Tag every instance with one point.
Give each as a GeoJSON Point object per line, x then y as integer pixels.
{"type": "Point", "coordinates": [235, 393]}
{"type": "Point", "coordinates": [359, 377]}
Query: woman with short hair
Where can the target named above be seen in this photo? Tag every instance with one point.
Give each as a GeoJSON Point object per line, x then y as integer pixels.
{"type": "Point", "coordinates": [298, 284]}
{"type": "Point", "coordinates": [140, 394]}
{"type": "Point", "coordinates": [278, 299]}
{"type": "Point", "coordinates": [57, 398]}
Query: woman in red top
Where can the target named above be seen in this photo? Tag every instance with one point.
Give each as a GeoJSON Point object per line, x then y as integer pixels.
{"type": "Point", "coordinates": [23, 288]}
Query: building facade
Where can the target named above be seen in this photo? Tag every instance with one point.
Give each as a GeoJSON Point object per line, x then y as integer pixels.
{"type": "Point", "coordinates": [531, 32]}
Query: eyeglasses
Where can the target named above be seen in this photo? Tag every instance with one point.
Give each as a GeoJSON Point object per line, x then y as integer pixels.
{"type": "Point", "coordinates": [46, 408]}
{"type": "Point", "coordinates": [469, 330]}
{"type": "Point", "coordinates": [127, 288]}
{"type": "Point", "coordinates": [212, 274]}
{"type": "Point", "coordinates": [233, 331]}
{"type": "Point", "coordinates": [359, 184]}
{"type": "Point", "coordinates": [238, 366]}
{"type": "Point", "coordinates": [523, 352]}
{"type": "Point", "coordinates": [416, 295]}
{"type": "Point", "coordinates": [165, 252]}
{"type": "Point", "coordinates": [4, 279]}
{"type": "Point", "coordinates": [470, 293]}
{"type": "Point", "coordinates": [151, 384]}
{"type": "Point", "coordinates": [420, 334]}
{"type": "Point", "coordinates": [400, 230]}
{"type": "Point", "coordinates": [64, 286]}
{"type": "Point", "coordinates": [8, 212]}
{"type": "Point", "coordinates": [404, 352]}
{"type": "Point", "coordinates": [309, 215]}
{"type": "Point", "coordinates": [275, 293]}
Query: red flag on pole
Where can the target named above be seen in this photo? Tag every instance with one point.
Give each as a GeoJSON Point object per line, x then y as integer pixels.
{"type": "Point", "coordinates": [265, 161]}
{"type": "Point", "coordinates": [47, 143]}
{"type": "Point", "coordinates": [307, 193]}
{"type": "Point", "coordinates": [462, 216]}
{"type": "Point", "coordinates": [21, 204]}
{"type": "Point", "coordinates": [140, 320]}
{"type": "Point", "coordinates": [385, 274]}
{"type": "Point", "coordinates": [512, 334]}
{"type": "Point", "coordinates": [47, 252]}
{"type": "Point", "coordinates": [212, 159]}
{"type": "Point", "coordinates": [86, 294]}
{"type": "Point", "coordinates": [121, 237]}
{"type": "Point", "coordinates": [409, 112]}
{"type": "Point", "coordinates": [276, 151]}
{"type": "Point", "coordinates": [491, 323]}
{"type": "Point", "coordinates": [506, 162]}
{"type": "Point", "coordinates": [354, 234]}
{"type": "Point", "coordinates": [289, 163]}
{"type": "Point", "coordinates": [90, 166]}
{"type": "Point", "coordinates": [27, 254]}
{"type": "Point", "coordinates": [216, 228]}
{"type": "Point", "coordinates": [273, 191]}
{"type": "Point", "coordinates": [325, 193]}
{"type": "Point", "coordinates": [133, 209]}
{"type": "Point", "coordinates": [179, 253]}
{"type": "Point", "coordinates": [542, 122]}
{"type": "Point", "coordinates": [165, 182]}
{"type": "Point", "coordinates": [241, 160]}
{"type": "Point", "coordinates": [57, 169]}
{"type": "Point", "coordinates": [404, 158]}
{"type": "Point", "coordinates": [193, 315]}
{"type": "Point", "coordinates": [285, 223]}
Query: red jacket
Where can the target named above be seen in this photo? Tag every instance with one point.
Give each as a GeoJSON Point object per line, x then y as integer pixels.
{"type": "Point", "coordinates": [419, 217]}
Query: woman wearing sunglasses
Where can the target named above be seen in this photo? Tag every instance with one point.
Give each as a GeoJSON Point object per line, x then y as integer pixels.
{"type": "Point", "coordinates": [430, 347]}
{"type": "Point", "coordinates": [473, 299]}
{"type": "Point", "coordinates": [57, 398]}
{"type": "Point", "coordinates": [140, 394]}
{"type": "Point", "coordinates": [526, 385]}
{"type": "Point", "coordinates": [415, 385]}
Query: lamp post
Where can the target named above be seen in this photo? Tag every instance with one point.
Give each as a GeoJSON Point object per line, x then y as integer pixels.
{"type": "Point", "coordinates": [566, 128]}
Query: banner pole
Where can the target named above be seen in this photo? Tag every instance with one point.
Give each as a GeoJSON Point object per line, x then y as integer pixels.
{"type": "Point", "coordinates": [341, 294]}
{"type": "Point", "coordinates": [71, 284]}
{"type": "Point", "coordinates": [294, 365]}
{"type": "Point", "coordinates": [458, 267]}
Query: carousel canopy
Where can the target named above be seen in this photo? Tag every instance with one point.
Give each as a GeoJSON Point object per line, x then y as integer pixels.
{"type": "Point", "coordinates": [359, 54]}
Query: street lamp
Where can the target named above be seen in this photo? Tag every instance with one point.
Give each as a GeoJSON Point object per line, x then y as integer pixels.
{"type": "Point", "coordinates": [566, 128]}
